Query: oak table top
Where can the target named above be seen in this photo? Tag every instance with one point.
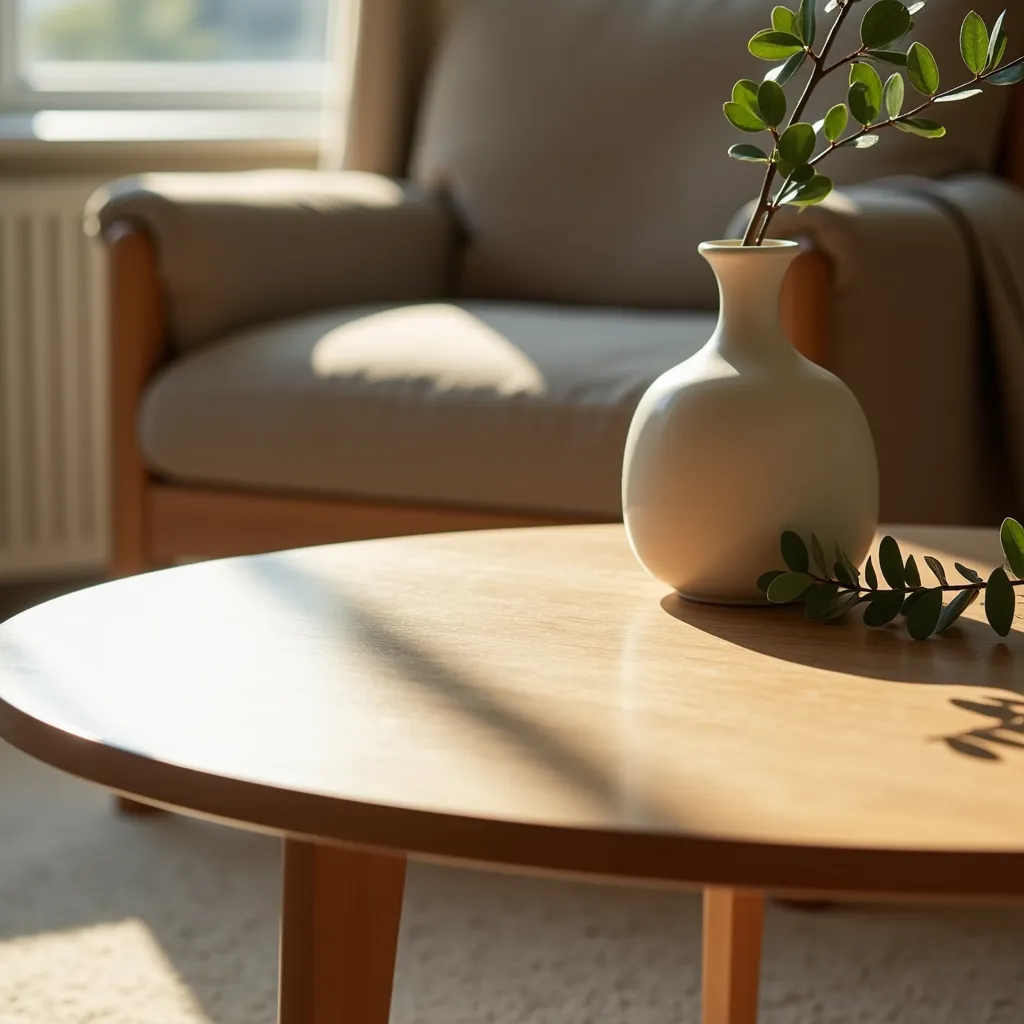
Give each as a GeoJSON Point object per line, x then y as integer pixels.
{"type": "Point", "coordinates": [532, 698]}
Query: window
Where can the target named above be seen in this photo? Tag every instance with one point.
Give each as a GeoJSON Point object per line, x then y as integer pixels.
{"type": "Point", "coordinates": [163, 54]}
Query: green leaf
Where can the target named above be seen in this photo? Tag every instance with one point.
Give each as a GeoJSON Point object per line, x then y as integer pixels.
{"type": "Point", "coordinates": [840, 606]}
{"type": "Point", "coordinates": [884, 22]}
{"type": "Point", "coordinates": [971, 575]}
{"type": "Point", "coordinates": [890, 561]}
{"type": "Point", "coordinates": [956, 608]}
{"type": "Point", "coordinates": [923, 70]}
{"type": "Point", "coordinates": [750, 154]}
{"type": "Point", "coordinates": [937, 569]}
{"type": "Point", "coordinates": [745, 120]}
{"type": "Point", "coordinates": [883, 608]}
{"type": "Point", "coordinates": [820, 599]}
{"type": "Point", "coordinates": [807, 21]}
{"type": "Point", "coordinates": [911, 573]}
{"type": "Point", "coordinates": [784, 20]}
{"type": "Point", "coordinates": [831, 6]}
{"type": "Point", "coordinates": [924, 616]}
{"type": "Point", "coordinates": [996, 44]}
{"type": "Point", "coordinates": [866, 141]}
{"type": "Point", "coordinates": [1011, 536]}
{"type": "Point", "coordinates": [1000, 602]}
{"type": "Point", "coordinates": [794, 551]}
{"type": "Point", "coordinates": [766, 580]}
{"type": "Point", "coordinates": [818, 554]}
{"type": "Point", "coordinates": [772, 45]}
{"type": "Point", "coordinates": [843, 557]}
{"type": "Point", "coordinates": [897, 57]}
{"type": "Point", "coordinates": [859, 100]}
{"type": "Point", "coordinates": [842, 574]}
{"type": "Point", "coordinates": [784, 72]}
{"type": "Point", "coordinates": [910, 600]}
{"type": "Point", "coordinates": [744, 92]}
{"type": "Point", "coordinates": [771, 101]}
{"type": "Point", "coordinates": [811, 192]}
{"type": "Point", "coordinates": [921, 127]}
{"type": "Point", "coordinates": [789, 587]}
{"type": "Point", "coordinates": [860, 72]}
{"type": "Point", "coordinates": [955, 97]}
{"type": "Point", "coordinates": [870, 575]}
{"type": "Point", "coordinates": [796, 144]}
{"type": "Point", "coordinates": [1010, 75]}
{"type": "Point", "coordinates": [800, 175]}
{"type": "Point", "coordinates": [895, 92]}
{"type": "Point", "coordinates": [974, 42]}
{"type": "Point", "coordinates": [836, 121]}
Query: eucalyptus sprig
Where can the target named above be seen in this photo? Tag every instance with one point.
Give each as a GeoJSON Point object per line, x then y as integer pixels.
{"type": "Point", "coordinates": [829, 593]}
{"type": "Point", "coordinates": [799, 146]}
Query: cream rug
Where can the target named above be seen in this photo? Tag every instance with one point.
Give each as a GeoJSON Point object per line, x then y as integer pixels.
{"type": "Point", "coordinates": [171, 921]}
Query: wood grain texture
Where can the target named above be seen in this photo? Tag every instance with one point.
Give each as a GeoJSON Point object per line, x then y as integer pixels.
{"type": "Point", "coordinates": [137, 347]}
{"type": "Point", "coordinates": [196, 523]}
{"type": "Point", "coordinates": [339, 934]}
{"type": "Point", "coordinates": [731, 963]}
{"type": "Point", "coordinates": [531, 698]}
{"type": "Point", "coordinates": [806, 305]}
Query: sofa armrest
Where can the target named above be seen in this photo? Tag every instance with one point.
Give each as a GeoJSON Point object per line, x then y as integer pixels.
{"type": "Point", "coordinates": [239, 249]}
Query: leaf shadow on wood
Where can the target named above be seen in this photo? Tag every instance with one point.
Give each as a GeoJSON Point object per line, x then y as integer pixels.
{"type": "Point", "coordinates": [969, 654]}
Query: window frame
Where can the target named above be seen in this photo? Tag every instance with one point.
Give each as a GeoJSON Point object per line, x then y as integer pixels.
{"type": "Point", "coordinates": [157, 86]}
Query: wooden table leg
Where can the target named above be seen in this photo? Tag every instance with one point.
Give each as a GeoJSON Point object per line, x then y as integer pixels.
{"type": "Point", "coordinates": [733, 928]}
{"type": "Point", "coordinates": [339, 934]}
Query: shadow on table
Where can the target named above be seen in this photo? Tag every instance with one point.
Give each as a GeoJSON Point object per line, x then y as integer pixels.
{"type": "Point", "coordinates": [968, 655]}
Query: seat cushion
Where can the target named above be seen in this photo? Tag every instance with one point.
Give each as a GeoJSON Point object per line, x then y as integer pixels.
{"type": "Point", "coordinates": [583, 147]}
{"type": "Point", "coordinates": [483, 405]}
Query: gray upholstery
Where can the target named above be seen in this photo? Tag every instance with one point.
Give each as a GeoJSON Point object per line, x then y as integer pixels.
{"type": "Point", "coordinates": [484, 405]}
{"type": "Point", "coordinates": [583, 146]}
{"type": "Point", "coordinates": [239, 249]}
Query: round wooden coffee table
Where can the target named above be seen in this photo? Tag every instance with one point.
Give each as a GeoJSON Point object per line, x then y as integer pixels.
{"type": "Point", "coordinates": [531, 700]}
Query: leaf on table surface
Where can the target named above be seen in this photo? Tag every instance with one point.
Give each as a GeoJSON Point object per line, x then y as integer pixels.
{"type": "Point", "coordinates": [794, 551]}
{"type": "Point", "coordinates": [789, 587]}
{"type": "Point", "coordinates": [883, 608]}
{"type": "Point", "coordinates": [890, 561]}
{"type": "Point", "coordinates": [1000, 602]}
{"type": "Point", "coordinates": [924, 616]}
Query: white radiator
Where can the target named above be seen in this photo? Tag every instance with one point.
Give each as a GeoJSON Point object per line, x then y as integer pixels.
{"type": "Point", "coordinates": [53, 426]}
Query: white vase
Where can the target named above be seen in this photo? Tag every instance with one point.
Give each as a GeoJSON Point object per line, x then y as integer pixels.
{"type": "Point", "coordinates": [744, 440]}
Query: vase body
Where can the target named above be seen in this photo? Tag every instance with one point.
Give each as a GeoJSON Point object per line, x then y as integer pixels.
{"type": "Point", "coordinates": [742, 441]}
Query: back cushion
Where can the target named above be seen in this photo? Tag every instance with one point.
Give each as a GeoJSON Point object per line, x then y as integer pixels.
{"type": "Point", "coordinates": [583, 147]}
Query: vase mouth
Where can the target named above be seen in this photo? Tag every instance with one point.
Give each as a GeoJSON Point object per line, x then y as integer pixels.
{"type": "Point", "coordinates": [732, 245]}
{"type": "Point", "coordinates": [769, 245]}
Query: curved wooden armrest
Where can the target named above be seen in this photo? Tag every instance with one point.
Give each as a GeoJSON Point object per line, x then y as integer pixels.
{"type": "Point", "coordinates": [806, 305]}
{"type": "Point", "coordinates": [138, 344]}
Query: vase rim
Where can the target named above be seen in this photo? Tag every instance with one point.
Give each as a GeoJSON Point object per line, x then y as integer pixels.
{"type": "Point", "coordinates": [732, 244]}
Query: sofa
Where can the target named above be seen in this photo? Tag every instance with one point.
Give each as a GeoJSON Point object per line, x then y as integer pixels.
{"type": "Point", "coordinates": [451, 328]}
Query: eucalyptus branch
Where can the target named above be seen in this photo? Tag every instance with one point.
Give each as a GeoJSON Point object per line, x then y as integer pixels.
{"type": "Point", "coordinates": [828, 595]}
{"type": "Point", "coordinates": [870, 129]}
{"type": "Point", "coordinates": [817, 74]}
{"type": "Point", "coordinates": [763, 108]}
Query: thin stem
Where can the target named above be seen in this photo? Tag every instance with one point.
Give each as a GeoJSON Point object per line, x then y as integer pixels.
{"type": "Point", "coordinates": [950, 588]}
{"type": "Point", "coordinates": [773, 205]}
{"type": "Point", "coordinates": [753, 236]}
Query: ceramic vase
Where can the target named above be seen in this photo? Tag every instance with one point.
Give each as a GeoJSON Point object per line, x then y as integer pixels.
{"type": "Point", "coordinates": [742, 441]}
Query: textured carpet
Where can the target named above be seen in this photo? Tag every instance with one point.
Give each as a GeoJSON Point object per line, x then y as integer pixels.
{"type": "Point", "coordinates": [166, 921]}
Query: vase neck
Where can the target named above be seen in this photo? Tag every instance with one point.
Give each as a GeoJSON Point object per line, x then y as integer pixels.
{"type": "Point", "coordinates": [749, 288]}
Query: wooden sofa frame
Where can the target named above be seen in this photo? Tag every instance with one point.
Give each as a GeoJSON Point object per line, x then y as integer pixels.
{"type": "Point", "coordinates": [155, 522]}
